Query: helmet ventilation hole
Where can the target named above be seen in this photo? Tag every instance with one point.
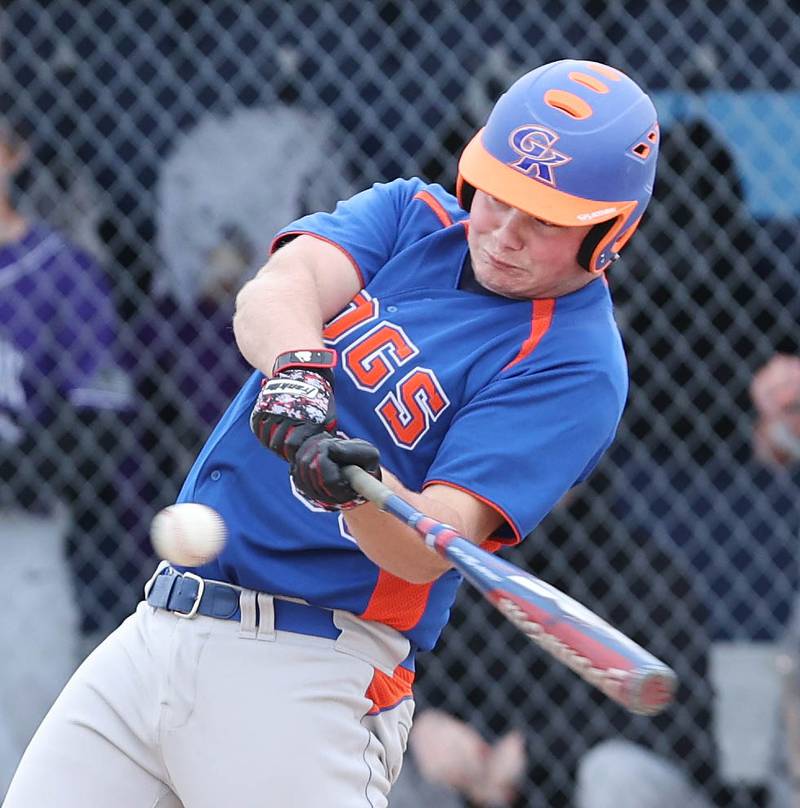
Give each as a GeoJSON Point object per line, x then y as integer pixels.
{"type": "Point", "coordinates": [591, 82]}
{"type": "Point", "coordinates": [568, 103]}
{"type": "Point", "coordinates": [604, 70]}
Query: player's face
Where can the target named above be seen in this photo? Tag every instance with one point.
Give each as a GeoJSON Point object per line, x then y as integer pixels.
{"type": "Point", "coordinates": [517, 255]}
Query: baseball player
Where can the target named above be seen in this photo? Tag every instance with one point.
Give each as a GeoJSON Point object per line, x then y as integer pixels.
{"type": "Point", "coordinates": [461, 348]}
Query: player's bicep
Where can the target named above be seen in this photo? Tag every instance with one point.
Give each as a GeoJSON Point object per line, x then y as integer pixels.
{"type": "Point", "coordinates": [477, 520]}
{"type": "Point", "coordinates": [332, 273]}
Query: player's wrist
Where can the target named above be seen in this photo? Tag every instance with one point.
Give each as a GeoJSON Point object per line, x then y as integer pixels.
{"type": "Point", "coordinates": [296, 401]}
{"type": "Point", "coordinates": [320, 360]}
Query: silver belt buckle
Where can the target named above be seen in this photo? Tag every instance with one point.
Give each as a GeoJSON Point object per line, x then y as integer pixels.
{"type": "Point", "coordinates": [201, 587]}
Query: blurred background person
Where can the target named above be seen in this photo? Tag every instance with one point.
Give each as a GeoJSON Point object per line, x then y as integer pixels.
{"type": "Point", "coordinates": [620, 774]}
{"type": "Point", "coordinates": [59, 378]}
{"type": "Point", "coordinates": [450, 765]}
{"type": "Point", "coordinates": [226, 184]}
{"type": "Point", "coordinates": [775, 392]}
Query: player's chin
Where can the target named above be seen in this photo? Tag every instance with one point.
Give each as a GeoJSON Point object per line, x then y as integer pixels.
{"type": "Point", "coordinates": [500, 282]}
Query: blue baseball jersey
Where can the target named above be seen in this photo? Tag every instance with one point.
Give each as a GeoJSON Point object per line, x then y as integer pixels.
{"type": "Point", "coordinates": [513, 401]}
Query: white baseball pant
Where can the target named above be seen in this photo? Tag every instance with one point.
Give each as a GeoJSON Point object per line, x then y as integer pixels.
{"type": "Point", "coordinates": [206, 712]}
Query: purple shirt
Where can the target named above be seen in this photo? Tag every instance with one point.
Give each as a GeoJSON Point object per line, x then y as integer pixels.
{"type": "Point", "coordinates": [195, 350]}
{"type": "Point", "coordinates": [57, 329]}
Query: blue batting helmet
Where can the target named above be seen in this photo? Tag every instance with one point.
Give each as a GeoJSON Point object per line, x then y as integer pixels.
{"type": "Point", "coordinates": [574, 143]}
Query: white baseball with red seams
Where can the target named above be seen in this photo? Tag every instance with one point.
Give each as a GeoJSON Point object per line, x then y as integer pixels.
{"type": "Point", "coordinates": [188, 534]}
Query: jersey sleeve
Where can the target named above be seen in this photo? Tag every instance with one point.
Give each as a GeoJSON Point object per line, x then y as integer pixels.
{"type": "Point", "coordinates": [524, 440]}
{"type": "Point", "coordinates": [366, 227]}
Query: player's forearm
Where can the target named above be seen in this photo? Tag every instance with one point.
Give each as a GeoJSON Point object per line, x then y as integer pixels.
{"type": "Point", "coordinates": [277, 311]}
{"type": "Point", "coordinates": [395, 547]}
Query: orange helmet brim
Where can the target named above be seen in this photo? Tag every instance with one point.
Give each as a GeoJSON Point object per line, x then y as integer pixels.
{"type": "Point", "coordinates": [481, 170]}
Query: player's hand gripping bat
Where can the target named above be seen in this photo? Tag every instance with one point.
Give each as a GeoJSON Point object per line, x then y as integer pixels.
{"type": "Point", "coordinates": [596, 651]}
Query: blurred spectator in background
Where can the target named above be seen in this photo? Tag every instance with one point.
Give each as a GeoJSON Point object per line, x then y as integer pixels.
{"type": "Point", "coordinates": [696, 489]}
{"type": "Point", "coordinates": [451, 766]}
{"type": "Point", "coordinates": [643, 589]}
{"type": "Point", "coordinates": [709, 320]}
{"type": "Point", "coordinates": [775, 391]}
{"type": "Point", "coordinates": [59, 385]}
{"type": "Point", "coordinates": [227, 184]}
{"type": "Point", "coordinates": [619, 774]}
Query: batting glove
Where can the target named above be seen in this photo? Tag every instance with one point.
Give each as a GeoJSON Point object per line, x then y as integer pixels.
{"type": "Point", "coordinates": [318, 473]}
{"type": "Point", "coordinates": [296, 402]}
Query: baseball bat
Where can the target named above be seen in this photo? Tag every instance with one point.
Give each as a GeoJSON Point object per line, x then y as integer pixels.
{"type": "Point", "coordinates": [576, 636]}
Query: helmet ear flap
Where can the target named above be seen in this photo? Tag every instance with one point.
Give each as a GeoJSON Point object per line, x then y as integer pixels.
{"type": "Point", "coordinates": [465, 193]}
{"type": "Point", "coordinates": [590, 243]}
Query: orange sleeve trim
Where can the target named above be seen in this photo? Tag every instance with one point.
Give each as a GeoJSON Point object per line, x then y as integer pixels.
{"type": "Point", "coordinates": [277, 242]}
{"type": "Point", "coordinates": [492, 543]}
{"type": "Point", "coordinates": [541, 319]}
{"type": "Point", "coordinates": [386, 691]}
{"type": "Point", "coordinates": [397, 603]}
{"type": "Point", "coordinates": [433, 203]}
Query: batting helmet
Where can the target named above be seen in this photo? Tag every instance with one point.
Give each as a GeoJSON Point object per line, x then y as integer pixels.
{"type": "Point", "coordinates": [574, 143]}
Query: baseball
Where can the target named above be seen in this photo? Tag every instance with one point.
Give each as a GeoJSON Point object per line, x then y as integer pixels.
{"type": "Point", "coordinates": [188, 534]}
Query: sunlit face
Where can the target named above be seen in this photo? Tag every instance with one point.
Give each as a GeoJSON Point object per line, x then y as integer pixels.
{"type": "Point", "coordinates": [517, 255]}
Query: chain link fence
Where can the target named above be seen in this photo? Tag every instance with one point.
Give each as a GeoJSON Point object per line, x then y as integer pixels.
{"type": "Point", "coordinates": [166, 142]}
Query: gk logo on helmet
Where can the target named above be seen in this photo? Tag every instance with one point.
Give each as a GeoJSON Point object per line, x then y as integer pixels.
{"type": "Point", "coordinates": [538, 158]}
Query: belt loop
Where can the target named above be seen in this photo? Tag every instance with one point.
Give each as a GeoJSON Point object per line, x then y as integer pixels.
{"type": "Point", "coordinates": [149, 585]}
{"type": "Point", "coordinates": [266, 617]}
{"type": "Point", "coordinates": [247, 604]}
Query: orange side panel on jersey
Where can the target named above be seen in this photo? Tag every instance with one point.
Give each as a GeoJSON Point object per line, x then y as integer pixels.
{"type": "Point", "coordinates": [435, 206]}
{"type": "Point", "coordinates": [541, 318]}
{"type": "Point", "coordinates": [387, 691]}
{"type": "Point", "coordinates": [396, 602]}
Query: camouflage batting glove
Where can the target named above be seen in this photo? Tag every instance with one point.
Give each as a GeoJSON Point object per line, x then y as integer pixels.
{"type": "Point", "coordinates": [318, 473]}
{"type": "Point", "coordinates": [296, 401]}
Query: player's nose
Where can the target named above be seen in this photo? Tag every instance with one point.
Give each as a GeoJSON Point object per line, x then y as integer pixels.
{"type": "Point", "coordinates": [509, 231]}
